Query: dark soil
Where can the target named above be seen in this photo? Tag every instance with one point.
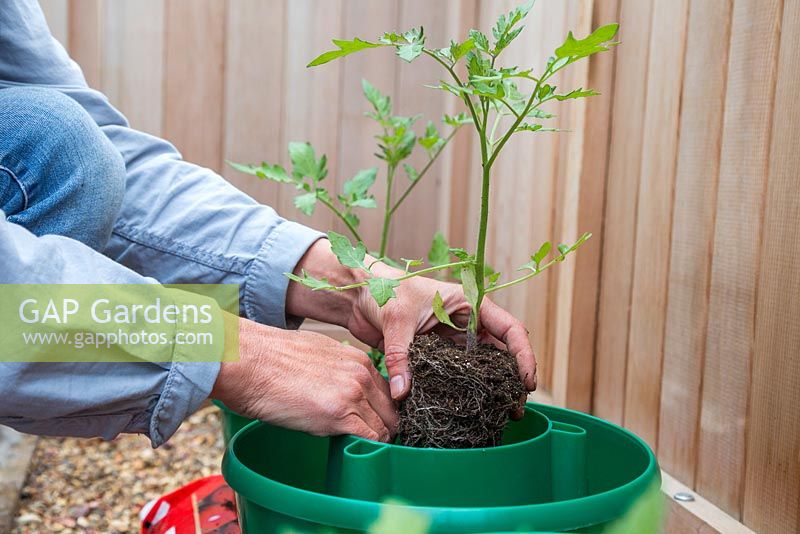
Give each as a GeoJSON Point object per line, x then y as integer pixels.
{"type": "Point", "coordinates": [458, 400]}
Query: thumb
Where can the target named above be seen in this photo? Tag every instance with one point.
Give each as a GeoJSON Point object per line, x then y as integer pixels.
{"type": "Point", "coordinates": [397, 337]}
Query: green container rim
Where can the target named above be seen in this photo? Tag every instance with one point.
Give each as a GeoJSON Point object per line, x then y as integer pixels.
{"type": "Point", "coordinates": [341, 512]}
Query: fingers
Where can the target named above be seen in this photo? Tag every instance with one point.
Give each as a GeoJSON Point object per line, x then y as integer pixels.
{"type": "Point", "coordinates": [502, 325]}
{"type": "Point", "coordinates": [397, 336]}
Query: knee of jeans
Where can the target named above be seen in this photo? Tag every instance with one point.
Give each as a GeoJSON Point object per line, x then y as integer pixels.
{"type": "Point", "coordinates": [59, 155]}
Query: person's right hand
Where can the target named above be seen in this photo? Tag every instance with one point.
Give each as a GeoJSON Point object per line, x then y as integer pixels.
{"type": "Point", "coordinates": [306, 381]}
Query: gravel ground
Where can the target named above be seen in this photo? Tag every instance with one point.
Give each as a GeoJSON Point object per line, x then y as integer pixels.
{"type": "Point", "coordinates": [95, 486]}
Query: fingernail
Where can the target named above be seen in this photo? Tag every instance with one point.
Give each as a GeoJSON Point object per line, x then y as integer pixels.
{"type": "Point", "coordinates": [397, 384]}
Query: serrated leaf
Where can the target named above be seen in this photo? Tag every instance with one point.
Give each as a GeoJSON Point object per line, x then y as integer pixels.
{"type": "Point", "coordinates": [348, 255]}
{"type": "Point", "coordinates": [461, 254]}
{"type": "Point", "coordinates": [353, 219]}
{"type": "Point", "coordinates": [306, 202]}
{"type": "Point", "coordinates": [577, 93]}
{"type": "Point", "coordinates": [411, 172]}
{"type": "Point", "coordinates": [504, 30]}
{"type": "Point", "coordinates": [345, 48]}
{"type": "Point", "coordinates": [356, 187]}
{"type": "Point", "coordinates": [527, 127]}
{"type": "Point", "coordinates": [409, 45]}
{"type": "Point", "coordinates": [542, 253]}
{"type": "Point", "coordinates": [368, 202]}
{"type": "Point", "coordinates": [597, 41]}
{"type": "Point", "coordinates": [457, 120]}
{"type": "Point", "coordinates": [382, 289]}
{"type": "Point", "coordinates": [439, 253]}
{"type": "Point", "coordinates": [492, 279]}
{"type": "Point", "coordinates": [309, 281]}
{"type": "Point", "coordinates": [381, 103]}
{"type": "Point", "coordinates": [480, 40]}
{"type": "Point", "coordinates": [305, 163]}
{"type": "Point", "coordinates": [441, 314]}
{"type": "Point", "coordinates": [265, 171]}
{"type": "Point", "coordinates": [459, 50]}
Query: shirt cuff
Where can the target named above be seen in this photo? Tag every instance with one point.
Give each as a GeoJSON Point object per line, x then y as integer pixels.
{"type": "Point", "coordinates": [266, 284]}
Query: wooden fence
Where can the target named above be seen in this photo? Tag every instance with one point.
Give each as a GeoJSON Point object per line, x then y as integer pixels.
{"type": "Point", "coordinates": [681, 317]}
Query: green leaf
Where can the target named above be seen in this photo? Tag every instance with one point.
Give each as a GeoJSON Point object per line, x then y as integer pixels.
{"type": "Point", "coordinates": [577, 93]}
{"type": "Point", "coordinates": [265, 171]}
{"type": "Point", "coordinates": [504, 30]}
{"type": "Point", "coordinates": [353, 219]}
{"type": "Point", "coordinates": [411, 172]}
{"type": "Point", "coordinates": [492, 279]}
{"type": "Point", "coordinates": [461, 254]}
{"type": "Point", "coordinates": [348, 255]}
{"type": "Point", "coordinates": [409, 45]}
{"type": "Point", "coordinates": [305, 163]}
{"type": "Point", "coordinates": [457, 120]}
{"type": "Point", "coordinates": [357, 187]}
{"type": "Point", "coordinates": [309, 281]}
{"type": "Point", "coordinates": [469, 285]}
{"type": "Point", "coordinates": [598, 41]}
{"type": "Point", "coordinates": [345, 48]}
{"type": "Point", "coordinates": [411, 263]}
{"type": "Point", "coordinates": [480, 40]}
{"type": "Point", "coordinates": [431, 141]}
{"type": "Point", "coordinates": [306, 202]}
{"type": "Point", "coordinates": [459, 50]}
{"type": "Point", "coordinates": [364, 203]}
{"type": "Point", "coordinates": [382, 104]}
{"type": "Point", "coordinates": [542, 253]}
{"type": "Point", "coordinates": [441, 314]}
{"type": "Point", "coordinates": [439, 253]}
{"type": "Point", "coordinates": [382, 289]}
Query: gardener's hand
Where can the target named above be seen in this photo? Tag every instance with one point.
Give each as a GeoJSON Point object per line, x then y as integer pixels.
{"type": "Point", "coordinates": [306, 381]}
{"type": "Point", "coordinates": [393, 327]}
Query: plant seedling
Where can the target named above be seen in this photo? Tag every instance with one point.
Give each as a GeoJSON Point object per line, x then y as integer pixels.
{"type": "Point", "coordinates": [462, 398]}
{"type": "Point", "coordinates": [397, 141]}
{"type": "Point", "coordinates": [498, 108]}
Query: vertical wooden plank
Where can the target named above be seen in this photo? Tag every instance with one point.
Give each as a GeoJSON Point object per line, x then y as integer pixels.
{"type": "Point", "coordinates": [583, 211]}
{"type": "Point", "coordinates": [133, 62]}
{"type": "Point", "coordinates": [693, 234]}
{"type": "Point", "coordinates": [57, 14]}
{"type": "Point", "coordinates": [441, 20]}
{"type": "Point", "coordinates": [254, 70]}
{"type": "Point", "coordinates": [379, 68]}
{"type": "Point", "coordinates": [737, 249]}
{"type": "Point", "coordinates": [85, 41]}
{"type": "Point", "coordinates": [312, 96]}
{"type": "Point", "coordinates": [772, 479]}
{"type": "Point", "coordinates": [620, 212]}
{"type": "Point", "coordinates": [654, 219]}
{"type": "Point", "coordinates": [193, 86]}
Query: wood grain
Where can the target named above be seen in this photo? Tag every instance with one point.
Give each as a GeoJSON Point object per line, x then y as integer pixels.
{"type": "Point", "coordinates": [312, 96]}
{"type": "Point", "coordinates": [194, 79]}
{"type": "Point", "coordinates": [133, 61]}
{"type": "Point", "coordinates": [772, 477]}
{"type": "Point", "coordinates": [85, 40]}
{"type": "Point", "coordinates": [629, 98]}
{"type": "Point", "coordinates": [654, 219]}
{"type": "Point", "coordinates": [254, 71]}
{"type": "Point", "coordinates": [703, 100]}
{"type": "Point", "coordinates": [737, 251]}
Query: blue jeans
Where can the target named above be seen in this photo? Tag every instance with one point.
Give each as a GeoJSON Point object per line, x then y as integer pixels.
{"type": "Point", "coordinates": [59, 174]}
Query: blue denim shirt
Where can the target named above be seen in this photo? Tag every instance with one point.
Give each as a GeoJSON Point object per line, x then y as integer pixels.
{"type": "Point", "coordinates": [179, 223]}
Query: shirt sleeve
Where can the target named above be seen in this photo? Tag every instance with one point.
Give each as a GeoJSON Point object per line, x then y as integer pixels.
{"type": "Point", "coordinates": [180, 223]}
{"type": "Point", "coordinates": [90, 399]}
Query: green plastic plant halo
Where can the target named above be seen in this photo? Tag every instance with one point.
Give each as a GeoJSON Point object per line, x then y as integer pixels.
{"type": "Point", "coordinates": [558, 470]}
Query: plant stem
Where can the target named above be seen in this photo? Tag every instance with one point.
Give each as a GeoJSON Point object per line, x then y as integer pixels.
{"type": "Point", "coordinates": [409, 275]}
{"type": "Point", "coordinates": [341, 216]}
{"type": "Point", "coordinates": [422, 173]}
{"type": "Point", "coordinates": [387, 213]}
{"type": "Point", "coordinates": [526, 277]}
